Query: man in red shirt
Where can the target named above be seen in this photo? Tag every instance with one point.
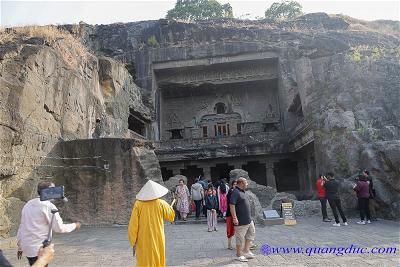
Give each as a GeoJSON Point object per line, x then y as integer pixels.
{"type": "Point", "coordinates": [322, 197]}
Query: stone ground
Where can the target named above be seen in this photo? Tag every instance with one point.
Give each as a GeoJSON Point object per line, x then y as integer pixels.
{"type": "Point", "coordinates": [192, 245]}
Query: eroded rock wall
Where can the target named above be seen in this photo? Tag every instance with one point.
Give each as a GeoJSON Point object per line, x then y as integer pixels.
{"type": "Point", "coordinates": [356, 120]}
{"type": "Point", "coordinates": [105, 192]}
{"type": "Point", "coordinates": [47, 96]}
{"type": "Point", "coordinates": [344, 72]}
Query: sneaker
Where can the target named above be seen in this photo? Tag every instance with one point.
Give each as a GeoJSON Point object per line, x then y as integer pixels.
{"type": "Point", "coordinates": [253, 247]}
{"type": "Point", "coordinates": [368, 221]}
{"type": "Point", "coordinates": [230, 248]}
{"type": "Point", "coordinates": [249, 255]}
{"type": "Point", "coordinates": [215, 229]}
{"type": "Point", "coordinates": [361, 222]}
{"type": "Point", "coordinates": [209, 230]}
{"type": "Point", "coordinates": [336, 224]}
{"type": "Point", "coordinates": [345, 224]}
{"type": "Point", "coordinates": [242, 259]}
{"type": "Point", "coordinates": [327, 220]}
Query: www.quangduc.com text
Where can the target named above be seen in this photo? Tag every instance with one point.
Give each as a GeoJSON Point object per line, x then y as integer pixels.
{"type": "Point", "coordinates": [338, 251]}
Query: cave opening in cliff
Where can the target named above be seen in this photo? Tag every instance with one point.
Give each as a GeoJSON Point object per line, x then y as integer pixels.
{"type": "Point", "coordinates": [166, 173]}
{"type": "Point", "coordinates": [257, 171]}
{"type": "Point", "coordinates": [192, 172]}
{"type": "Point", "coordinates": [296, 108]}
{"type": "Point", "coordinates": [286, 174]}
{"type": "Point", "coordinates": [221, 171]}
{"type": "Point", "coordinates": [136, 124]}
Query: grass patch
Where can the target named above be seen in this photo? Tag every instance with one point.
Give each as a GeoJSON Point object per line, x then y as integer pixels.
{"type": "Point", "coordinates": [68, 46]}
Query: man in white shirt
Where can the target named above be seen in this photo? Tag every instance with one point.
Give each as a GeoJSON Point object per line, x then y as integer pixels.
{"type": "Point", "coordinates": [35, 221]}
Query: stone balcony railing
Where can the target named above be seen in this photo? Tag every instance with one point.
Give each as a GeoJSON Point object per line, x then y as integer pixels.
{"type": "Point", "coordinates": [239, 145]}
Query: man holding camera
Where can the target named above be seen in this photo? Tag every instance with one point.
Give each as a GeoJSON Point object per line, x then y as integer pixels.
{"type": "Point", "coordinates": [322, 196]}
{"type": "Point", "coordinates": [35, 221]}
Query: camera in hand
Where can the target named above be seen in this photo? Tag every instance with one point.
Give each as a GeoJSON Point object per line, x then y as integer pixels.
{"type": "Point", "coordinates": [52, 193]}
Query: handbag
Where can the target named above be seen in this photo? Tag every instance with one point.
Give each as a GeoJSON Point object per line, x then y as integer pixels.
{"type": "Point", "coordinates": [193, 207]}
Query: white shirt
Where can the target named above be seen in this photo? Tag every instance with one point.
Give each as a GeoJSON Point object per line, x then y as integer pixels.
{"type": "Point", "coordinates": [34, 227]}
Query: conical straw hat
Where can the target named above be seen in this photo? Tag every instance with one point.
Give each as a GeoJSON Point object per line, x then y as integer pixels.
{"type": "Point", "coordinates": [151, 190]}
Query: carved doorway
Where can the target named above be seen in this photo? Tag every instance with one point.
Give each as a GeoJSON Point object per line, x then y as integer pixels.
{"type": "Point", "coordinates": [220, 171]}
{"type": "Point", "coordinates": [222, 129]}
{"type": "Point", "coordinates": [287, 176]}
{"type": "Point", "coordinates": [191, 173]}
{"type": "Point", "coordinates": [257, 172]}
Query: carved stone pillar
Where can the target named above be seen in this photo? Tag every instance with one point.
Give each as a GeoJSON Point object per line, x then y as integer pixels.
{"type": "Point", "coordinates": [207, 173]}
{"type": "Point", "coordinates": [303, 175]}
{"type": "Point", "coordinates": [271, 181]}
{"type": "Point", "coordinates": [237, 165]}
{"type": "Point", "coordinates": [311, 172]}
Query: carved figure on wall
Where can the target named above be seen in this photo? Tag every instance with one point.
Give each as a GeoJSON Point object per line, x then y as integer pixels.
{"type": "Point", "coordinates": [219, 95]}
{"type": "Point", "coordinates": [203, 105]}
{"type": "Point", "coordinates": [195, 122]}
{"type": "Point", "coordinates": [271, 113]}
{"type": "Point", "coordinates": [174, 122]}
{"type": "Point", "coordinates": [236, 100]}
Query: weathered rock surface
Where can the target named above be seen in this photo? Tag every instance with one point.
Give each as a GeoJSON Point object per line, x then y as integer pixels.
{"type": "Point", "coordinates": [105, 193]}
{"type": "Point", "coordinates": [50, 93]}
{"type": "Point", "coordinates": [264, 193]}
{"type": "Point", "coordinates": [172, 182]}
{"type": "Point", "coordinates": [280, 198]}
{"type": "Point", "coordinates": [255, 206]}
{"type": "Point", "coordinates": [344, 71]}
{"type": "Point", "coordinates": [237, 173]}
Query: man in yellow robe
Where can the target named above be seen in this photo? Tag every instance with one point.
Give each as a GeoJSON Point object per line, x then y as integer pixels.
{"type": "Point", "coordinates": [146, 226]}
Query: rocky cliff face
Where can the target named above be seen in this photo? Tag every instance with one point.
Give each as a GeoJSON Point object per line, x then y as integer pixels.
{"type": "Point", "coordinates": [51, 92]}
{"type": "Point", "coordinates": [105, 192]}
{"type": "Point", "coordinates": [344, 72]}
{"type": "Point", "coordinates": [356, 120]}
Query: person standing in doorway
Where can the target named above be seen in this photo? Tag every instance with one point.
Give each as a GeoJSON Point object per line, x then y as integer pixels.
{"type": "Point", "coordinates": [333, 196]}
{"type": "Point", "coordinates": [322, 197]}
{"type": "Point", "coordinates": [211, 205]}
{"type": "Point", "coordinates": [362, 189]}
{"type": "Point", "coordinates": [183, 195]}
{"type": "Point", "coordinates": [244, 226]}
{"type": "Point", "coordinates": [197, 193]}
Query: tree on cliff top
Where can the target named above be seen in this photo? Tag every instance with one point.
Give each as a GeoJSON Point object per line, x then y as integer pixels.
{"type": "Point", "coordinates": [199, 10]}
{"type": "Point", "coordinates": [284, 10]}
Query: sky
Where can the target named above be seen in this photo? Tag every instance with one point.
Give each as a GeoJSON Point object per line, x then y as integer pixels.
{"type": "Point", "coordinates": [19, 13]}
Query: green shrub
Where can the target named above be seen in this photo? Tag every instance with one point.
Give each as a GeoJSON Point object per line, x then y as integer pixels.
{"type": "Point", "coordinates": [152, 41]}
